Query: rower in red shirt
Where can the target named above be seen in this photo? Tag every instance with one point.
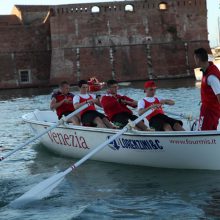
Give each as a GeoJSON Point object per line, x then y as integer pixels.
{"type": "Point", "coordinates": [89, 116]}
{"type": "Point", "coordinates": [115, 107]}
{"type": "Point", "coordinates": [157, 119]}
{"type": "Point", "coordinates": [210, 91]}
{"type": "Point", "coordinates": [62, 102]}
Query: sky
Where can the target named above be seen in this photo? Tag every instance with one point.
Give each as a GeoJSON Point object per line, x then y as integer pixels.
{"type": "Point", "coordinates": [212, 5]}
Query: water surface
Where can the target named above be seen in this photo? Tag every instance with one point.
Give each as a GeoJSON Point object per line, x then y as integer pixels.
{"type": "Point", "coordinates": [98, 190]}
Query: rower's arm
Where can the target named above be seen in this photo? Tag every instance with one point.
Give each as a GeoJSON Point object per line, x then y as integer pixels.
{"type": "Point", "coordinates": [78, 105]}
{"type": "Point", "coordinates": [131, 103]}
{"type": "Point", "coordinates": [167, 102]}
{"type": "Point", "coordinates": [76, 102]}
{"type": "Point", "coordinates": [97, 102]}
{"type": "Point", "coordinates": [128, 101]}
{"type": "Point", "coordinates": [142, 111]}
{"type": "Point", "coordinates": [214, 82]}
{"type": "Point", "coordinates": [54, 104]}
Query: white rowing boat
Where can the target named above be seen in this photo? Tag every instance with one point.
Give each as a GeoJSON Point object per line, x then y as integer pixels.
{"type": "Point", "coordinates": [184, 149]}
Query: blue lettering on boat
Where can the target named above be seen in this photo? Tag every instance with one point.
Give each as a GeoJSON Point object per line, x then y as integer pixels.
{"type": "Point", "coordinates": [135, 144]}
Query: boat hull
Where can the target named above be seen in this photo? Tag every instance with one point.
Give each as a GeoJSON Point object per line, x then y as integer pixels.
{"type": "Point", "coordinates": [179, 150]}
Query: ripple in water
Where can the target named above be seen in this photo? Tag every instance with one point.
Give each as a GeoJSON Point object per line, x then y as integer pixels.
{"type": "Point", "coordinates": [99, 190]}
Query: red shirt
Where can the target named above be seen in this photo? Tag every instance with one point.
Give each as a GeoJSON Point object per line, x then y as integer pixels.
{"type": "Point", "coordinates": [156, 111]}
{"type": "Point", "coordinates": [208, 97]}
{"type": "Point", "coordinates": [112, 106]}
{"type": "Point", "coordinates": [91, 107]}
{"type": "Point", "coordinates": [65, 107]}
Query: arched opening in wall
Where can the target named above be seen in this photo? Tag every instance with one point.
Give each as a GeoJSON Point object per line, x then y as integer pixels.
{"type": "Point", "coordinates": [95, 9]}
{"type": "Point", "coordinates": [163, 6]}
{"type": "Point", "coordinates": [129, 8]}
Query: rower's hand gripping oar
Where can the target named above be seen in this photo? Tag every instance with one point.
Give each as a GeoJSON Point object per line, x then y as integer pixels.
{"type": "Point", "coordinates": [61, 121]}
{"type": "Point", "coordinates": [44, 188]}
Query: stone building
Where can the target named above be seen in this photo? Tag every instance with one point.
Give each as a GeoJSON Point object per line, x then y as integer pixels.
{"type": "Point", "coordinates": [128, 40]}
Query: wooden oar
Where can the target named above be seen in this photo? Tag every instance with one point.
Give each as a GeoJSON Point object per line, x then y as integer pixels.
{"type": "Point", "coordinates": [44, 188]}
{"type": "Point", "coordinates": [61, 121]}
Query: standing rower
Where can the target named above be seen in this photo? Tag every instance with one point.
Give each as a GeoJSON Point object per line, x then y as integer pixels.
{"type": "Point", "coordinates": [210, 91]}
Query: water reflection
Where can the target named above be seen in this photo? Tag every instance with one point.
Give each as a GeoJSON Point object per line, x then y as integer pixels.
{"type": "Point", "coordinates": [169, 84]}
{"type": "Point", "coordinates": [8, 94]}
{"type": "Point", "coordinates": [212, 206]}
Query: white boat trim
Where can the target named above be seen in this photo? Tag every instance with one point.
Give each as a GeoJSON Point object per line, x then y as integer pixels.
{"type": "Point", "coordinates": [182, 149]}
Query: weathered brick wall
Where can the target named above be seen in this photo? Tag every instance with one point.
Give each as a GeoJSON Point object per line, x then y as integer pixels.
{"type": "Point", "coordinates": [24, 47]}
{"type": "Point", "coordinates": [76, 43]}
{"type": "Point", "coordinates": [115, 43]}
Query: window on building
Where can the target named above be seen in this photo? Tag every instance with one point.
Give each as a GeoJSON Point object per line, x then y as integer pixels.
{"type": "Point", "coordinates": [95, 9]}
{"type": "Point", "coordinates": [25, 76]}
{"type": "Point", "coordinates": [163, 6]}
{"type": "Point", "coordinates": [129, 8]}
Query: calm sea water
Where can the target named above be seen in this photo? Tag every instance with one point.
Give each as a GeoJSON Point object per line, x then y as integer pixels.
{"type": "Point", "coordinates": [98, 190]}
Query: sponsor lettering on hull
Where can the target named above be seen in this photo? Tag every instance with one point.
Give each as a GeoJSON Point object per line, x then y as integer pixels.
{"type": "Point", "coordinates": [135, 144]}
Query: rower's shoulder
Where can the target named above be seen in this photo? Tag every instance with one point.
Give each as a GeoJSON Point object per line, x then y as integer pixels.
{"type": "Point", "coordinates": [55, 93]}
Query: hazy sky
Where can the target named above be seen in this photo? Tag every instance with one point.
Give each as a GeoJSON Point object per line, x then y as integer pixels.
{"type": "Point", "coordinates": [213, 12]}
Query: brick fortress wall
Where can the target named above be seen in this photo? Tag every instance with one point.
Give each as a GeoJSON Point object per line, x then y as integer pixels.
{"type": "Point", "coordinates": [126, 40]}
{"type": "Point", "coordinates": [129, 40]}
{"type": "Point", "coordinates": [25, 45]}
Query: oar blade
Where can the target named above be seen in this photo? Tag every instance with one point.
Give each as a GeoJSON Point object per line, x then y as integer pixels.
{"type": "Point", "coordinates": [39, 191]}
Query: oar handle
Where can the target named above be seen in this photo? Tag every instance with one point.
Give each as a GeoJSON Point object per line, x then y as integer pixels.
{"type": "Point", "coordinates": [61, 121]}
{"type": "Point", "coordinates": [112, 138]}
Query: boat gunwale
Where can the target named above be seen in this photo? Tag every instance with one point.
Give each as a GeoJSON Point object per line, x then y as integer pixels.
{"type": "Point", "coordinates": [130, 133]}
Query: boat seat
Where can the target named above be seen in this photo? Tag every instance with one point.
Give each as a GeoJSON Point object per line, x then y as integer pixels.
{"type": "Point", "coordinates": [46, 116]}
